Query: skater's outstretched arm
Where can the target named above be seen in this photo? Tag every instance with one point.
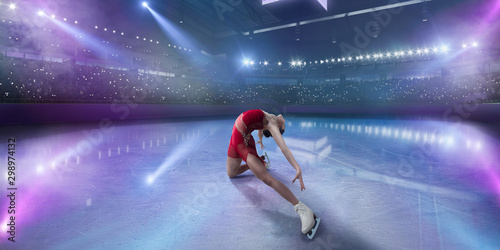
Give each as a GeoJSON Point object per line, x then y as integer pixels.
{"type": "Point", "coordinates": [261, 134]}
{"type": "Point", "coordinates": [287, 153]}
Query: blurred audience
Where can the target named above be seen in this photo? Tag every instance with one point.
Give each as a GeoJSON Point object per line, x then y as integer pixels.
{"type": "Point", "coordinates": [34, 81]}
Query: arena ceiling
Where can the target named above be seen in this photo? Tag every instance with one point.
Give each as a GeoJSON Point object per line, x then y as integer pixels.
{"type": "Point", "coordinates": [286, 26]}
{"type": "Point", "coordinates": [221, 18]}
{"type": "Point", "coordinates": [306, 21]}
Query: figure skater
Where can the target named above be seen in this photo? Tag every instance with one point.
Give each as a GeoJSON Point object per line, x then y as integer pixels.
{"type": "Point", "coordinates": [242, 147]}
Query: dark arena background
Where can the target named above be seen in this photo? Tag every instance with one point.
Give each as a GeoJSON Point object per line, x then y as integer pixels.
{"type": "Point", "coordinates": [116, 117]}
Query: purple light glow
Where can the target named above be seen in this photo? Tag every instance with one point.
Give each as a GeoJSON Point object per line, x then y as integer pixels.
{"type": "Point", "coordinates": [495, 176]}
{"type": "Point", "coordinates": [490, 11]}
{"type": "Point", "coordinates": [86, 40]}
{"type": "Point", "coordinates": [50, 180]}
{"type": "Point", "coordinates": [493, 14]}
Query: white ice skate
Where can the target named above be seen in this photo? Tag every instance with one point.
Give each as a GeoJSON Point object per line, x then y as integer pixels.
{"type": "Point", "coordinates": [266, 159]}
{"type": "Point", "coordinates": [308, 219]}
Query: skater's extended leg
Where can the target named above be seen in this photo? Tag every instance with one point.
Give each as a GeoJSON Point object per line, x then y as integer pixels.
{"type": "Point", "coordinates": [260, 171]}
{"type": "Point", "coordinates": [234, 167]}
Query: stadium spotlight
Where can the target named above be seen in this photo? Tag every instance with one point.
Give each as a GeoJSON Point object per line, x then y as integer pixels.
{"type": "Point", "coordinates": [246, 62]}
{"type": "Point", "coordinates": [279, 63]}
{"type": "Point", "coordinates": [450, 141]}
{"type": "Point", "coordinates": [388, 54]}
{"type": "Point", "coordinates": [41, 13]}
{"type": "Point", "coordinates": [251, 62]}
{"type": "Point", "coordinates": [464, 45]}
{"type": "Point", "coordinates": [444, 48]}
{"type": "Point", "coordinates": [475, 44]}
{"type": "Point", "coordinates": [426, 50]}
{"type": "Point", "coordinates": [419, 51]}
{"type": "Point", "coordinates": [39, 169]}
{"type": "Point", "coordinates": [145, 4]}
{"type": "Point", "coordinates": [265, 63]}
{"type": "Point", "coordinates": [350, 58]}
{"type": "Point", "coordinates": [293, 63]}
{"type": "Point", "coordinates": [478, 145]}
{"type": "Point", "coordinates": [12, 6]}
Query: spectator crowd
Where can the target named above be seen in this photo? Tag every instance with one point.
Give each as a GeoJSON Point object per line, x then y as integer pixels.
{"type": "Point", "coordinates": [35, 81]}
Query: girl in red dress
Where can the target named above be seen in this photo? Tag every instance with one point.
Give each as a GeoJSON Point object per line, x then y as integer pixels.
{"type": "Point", "coordinates": [242, 148]}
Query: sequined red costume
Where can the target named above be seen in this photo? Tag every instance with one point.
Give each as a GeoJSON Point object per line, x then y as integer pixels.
{"type": "Point", "coordinates": [242, 142]}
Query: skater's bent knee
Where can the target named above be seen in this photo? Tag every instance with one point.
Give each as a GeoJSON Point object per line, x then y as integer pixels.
{"type": "Point", "coordinates": [231, 174]}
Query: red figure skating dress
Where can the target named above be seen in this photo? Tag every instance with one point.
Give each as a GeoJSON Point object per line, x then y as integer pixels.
{"type": "Point", "coordinates": [242, 142]}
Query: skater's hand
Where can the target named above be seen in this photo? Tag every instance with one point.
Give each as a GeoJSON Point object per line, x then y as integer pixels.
{"type": "Point", "coordinates": [261, 145]}
{"type": "Point", "coordinates": [299, 176]}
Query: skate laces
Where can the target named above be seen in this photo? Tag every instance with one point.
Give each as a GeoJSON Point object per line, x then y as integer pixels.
{"type": "Point", "coordinates": [301, 209]}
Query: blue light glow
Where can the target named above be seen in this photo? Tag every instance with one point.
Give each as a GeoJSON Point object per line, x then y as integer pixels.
{"type": "Point", "coordinates": [172, 32]}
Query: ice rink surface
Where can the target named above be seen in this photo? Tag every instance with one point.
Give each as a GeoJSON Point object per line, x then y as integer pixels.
{"type": "Point", "coordinates": [162, 184]}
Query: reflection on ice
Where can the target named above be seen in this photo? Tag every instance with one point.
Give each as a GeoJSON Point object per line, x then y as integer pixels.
{"type": "Point", "coordinates": [390, 184]}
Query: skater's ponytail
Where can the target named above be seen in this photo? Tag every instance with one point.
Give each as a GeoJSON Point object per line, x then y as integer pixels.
{"type": "Point", "coordinates": [268, 134]}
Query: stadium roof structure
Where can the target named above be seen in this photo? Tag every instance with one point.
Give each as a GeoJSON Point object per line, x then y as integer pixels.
{"type": "Point", "coordinates": [307, 21]}
{"type": "Point", "coordinates": [283, 26]}
{"type": "Point", "coordinates": [221, 18]}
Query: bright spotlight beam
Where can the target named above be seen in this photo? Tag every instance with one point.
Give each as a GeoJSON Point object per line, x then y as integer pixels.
{"type": "Point", "coordinates": [87, 40]}
{"type": "Point", "coordinates": [176, 156]}
{"type": "Point", "coordinates": [171, 31]}
{"type": "Point", "coordinates": [145, 4]}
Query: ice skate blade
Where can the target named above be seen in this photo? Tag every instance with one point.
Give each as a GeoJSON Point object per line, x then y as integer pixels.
{"type": "Point", "coordinates": [267, 158]}
{"type": "Point", "coordinates": [311, 233]}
